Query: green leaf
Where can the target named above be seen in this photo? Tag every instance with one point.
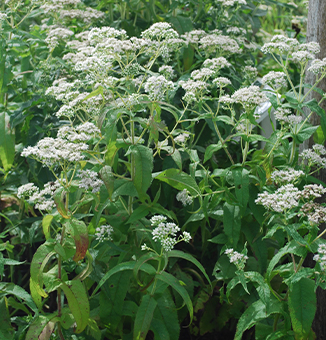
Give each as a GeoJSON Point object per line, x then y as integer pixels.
{"type": "Point", "coordinates": [99, 90]}
{"type": "Point", "coordinates": [182, 24]}
{"type": "Point", "coordinates": [46, 222]}
{"type": "Point", "coordinates": [261, 287]}
{"type": "Point", "coordinates": [143, 161]}
{"type": "Point", "coordinates": [305, 133]}
{"type": "Point", "coordinates": [144, 317]}
{"type": "Point", "coordinates": [124, 266]}
{"type": "Point", "coordinates": [60, 200]}
{"type": "Point", "coordinates": [108, 179]}
{"type": "Point", "coordinates": [42, 327]}
{"type": "Point", "coordinates": [290, 248]}
{"type": "Point", "coordinates": [232, 222]}
{"type": "Point", "coordinates": [219, 239]}
{"type": "Point", "coordinates": [7, 141]}
{"type": "Point", "coordinates": [6, 330]}
{"type": "Point", "coordinates": [241, 182]}
{"type": "Point", "coordinates": [77, 302]}
{"type": "Point", "coordinates": [141, 261]}
{"type": "Point", "coordinates": [39, 261]}
{"type": "Point", "coordinates": [166, 312]}
{"type": "Point", "coordinates": [112, 299]}
{"type": "Point", "coordinates": [211, 149]}
{"type": "Point", "coordinates": [255, 312]}
{"type": "Point", "coordinates": [79, 233]}
{"type": "Point", "coordinates": [175, 284]}
{"type": "Point", "coordinates": [179, 180]}
{"type": "Point", "coordinates": [181, 255]}
{"type": "Point", "coordinates": [313, 106]}
{"type": "Point", "coordinates": [20, 293]}
{"type": "Point", "coordinates": [302, 306]}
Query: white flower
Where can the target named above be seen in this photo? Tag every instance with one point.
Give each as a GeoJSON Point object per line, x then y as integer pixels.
{"type": "Point", "coordinates": [103, 233]}
{"type": "Point", "coordinates": [249, 96]}
{"type": "Point", "coordinates": [237, 258]}
{"type": "Point", "coordinates": [184, 197]}
{"type": "Point", "coordinates": [275, 79]}
{"type": "Point", "coordinates": [221, 81]}
{"type": "Point", "coordinates": [284, 116]}
{"type": "Point", "coordinates": [159, 31]}
{"type": "Point", "coordinates": [321, 256]}
{"type": "Point", "coordinates": [284, 198]}
{"type": "Point", "coordinates": [181, 138]}
{"type": "Point", "coordinates": [213, 43]}
{"type": "Point", "coordinates": [286, 176]}
{"type": "Point", "coordinates": [27, 190]}
{"type": "Point", "coordinates": [89, 180]}
{"type": "Point", "coordinates": [318, 66]}
{"type": "Point", "coordinates": [156, 86]}
{"type": "Point", "coordinates": [302, 57]}
{"type": "Point", "coordinates": [313, 156]}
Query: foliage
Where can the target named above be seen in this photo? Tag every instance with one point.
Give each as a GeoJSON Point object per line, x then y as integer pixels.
{"type": "Point", "coordinates": [139, 192]}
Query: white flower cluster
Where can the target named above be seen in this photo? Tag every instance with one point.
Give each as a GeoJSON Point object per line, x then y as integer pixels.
{"type": "Point", "coordinates": [67, 147]}
{"type": "Point", "coordinates": [318, 66]}
{"type": "Point", "coordinates": [284, 198]}
{"type": "Point", "coordinates": [314, 156]}
{"type": "Point", "coordinates": [184, 197]}
{"type": "Point", "coordinates": [275, 79]}
{"type": "Point", "coordinates": [89, 180]}
{"type": "Point", "coordinates": [301, 53]}
{"type": "Point", "coordinates": [219, 44]}
{"type": "Point", "coordinates": [166, 232]}
{"type": "Point", "coordinates": [236, 30]}
{"type": "Point", "coordinates": [232, 2]}
{"type": "Point", "coordinates": [249, 97]}
{"type": "Point", "coordinates": [251, 72]}
{"type": "Point", "coordinates": [181, 138]}
{"type": "Point", "coordinates": [286, 176]}
{"type": "Point", "coordinates": [321, 256]}
{"type": "Point", "coordinates": [103, 233]}
{"type": "Point", "coordinates": [312, 191]}
{"type": "Point", "coordinates": [87, 16]}
{"type": "Point", "coordinates": [194, 36]}
{"type": "Point", "coordinates": [284, 116]}
{"type": "Point", "coordinates": [157, 86]}
{"type": "Point", "coordinates": [43, 199]}
{"type": "Point", "coordinates": [221, 82]}
{"type": "Point", "coordinates": [160, 31]}
{"type": "Point", "coordinates": [315, 212]}
{"type": "Point", "coordinates": [166, 71]}
{"type": "Point", "coordinates": [237, 258]}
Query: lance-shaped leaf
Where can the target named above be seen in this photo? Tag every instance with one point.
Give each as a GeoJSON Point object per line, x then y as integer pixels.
{"type": "Point", "coordinates": [78, 231]}
{"type": "Point", "coordinates": [144, 317]}
{"type": "Point", "coordinates": [302, 306]}
{"type": "Point", "coordinates": [60, 201]}
{"type": "Point", "coordinates": [42, 327]}
{"type": "Point", "coordinates": [20, 293]}
{"type": "Point", "coordinates": [143, 166]}
{"type": "Point", "coordinates": [147, 268]}
{"type": "Point", "coordinates": [179, 180]}
{"type": "Point", "coordinates": [46, 222]}
{"type": "Point", "coordinates": [176, 285]}
{"type": "Point", "coordinates": [108, 179]}
{"type": "Point", "coordinates": [190, 258]}
{"type": "Point", "coordinates": [39, 261]}
{"type": "Point", "coordinates": [77, 302]}
{"type": "Point", "coordinates": [6, 330]}
{"type": "Point", "coordinates": [232, 222]}
{"type": "Point", "coordinates": [7, 142]}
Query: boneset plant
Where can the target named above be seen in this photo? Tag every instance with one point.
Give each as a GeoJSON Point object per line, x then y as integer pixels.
{"type": "Point", "coordinates": [139, 133]}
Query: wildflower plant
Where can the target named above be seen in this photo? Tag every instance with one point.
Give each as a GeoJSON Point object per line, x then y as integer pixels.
{"type": "Point", "coordinates": [155, 160]}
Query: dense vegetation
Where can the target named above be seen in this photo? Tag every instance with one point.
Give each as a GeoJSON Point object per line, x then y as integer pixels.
{"type": "Point", "coordinates": [151, 180]}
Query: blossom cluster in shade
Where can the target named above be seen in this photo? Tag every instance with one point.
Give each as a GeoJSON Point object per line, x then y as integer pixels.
{"type": "Point", "coordinates": [67, 147]}
{"type": "Point", "coordinates": [236, 258]}
{"type": "Point", "coordinates": [42, 199]}
{"type": "Point", "coordinates": [166, 233]}
{"type": "Point", "coordinates": [104, 233]}
{"type": "Point", "coordinates": [321, 256]}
